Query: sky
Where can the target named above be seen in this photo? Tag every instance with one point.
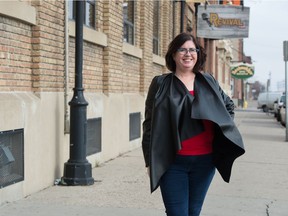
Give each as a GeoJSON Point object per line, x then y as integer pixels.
{"type": "Point", "coordinates": [268, 28]}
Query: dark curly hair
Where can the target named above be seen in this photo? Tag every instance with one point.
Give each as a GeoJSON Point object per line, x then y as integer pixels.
{"type": "Point", "coordinates": [176, 43]}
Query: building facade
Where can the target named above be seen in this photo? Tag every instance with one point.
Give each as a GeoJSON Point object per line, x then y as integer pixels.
{"type": "Point", "coordinates": [123, 49]}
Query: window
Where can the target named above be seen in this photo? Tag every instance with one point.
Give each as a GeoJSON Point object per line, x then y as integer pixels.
{"type": "Point", "coordinates": [156, 19]}
{"type": "Point", "coordinates": [72, 9]}
{"type": "Point", "coordinates": [89, 12]}
{"type": "Point", "coordinates": [128, 18]}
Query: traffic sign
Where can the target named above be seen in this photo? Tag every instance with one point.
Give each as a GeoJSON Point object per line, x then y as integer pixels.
{"type": "Point", "coordinates": [285, 50]}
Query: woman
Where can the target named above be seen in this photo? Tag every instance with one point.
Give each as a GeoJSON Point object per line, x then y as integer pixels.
{"type": "Point", "coordinates": [188, 130]}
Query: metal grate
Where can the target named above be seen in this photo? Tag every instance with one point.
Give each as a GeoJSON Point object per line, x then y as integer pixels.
{"type": "Point", "coordinates": [94, 137]}
{"type": "Point", "coordinates": [134, 125]}
{"type": "Point", "coordinates": [11, 157]}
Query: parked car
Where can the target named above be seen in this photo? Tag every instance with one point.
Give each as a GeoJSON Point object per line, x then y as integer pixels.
{"type": "Point", "coordinates": [283, 113]}
{"type": "Point", "coordinates": [266, 100]}
{"type": "Point", "coordinates": [277, 106]}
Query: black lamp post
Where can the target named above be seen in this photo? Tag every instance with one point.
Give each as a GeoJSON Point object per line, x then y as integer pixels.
{"type": "Point", "coordinates": [77, 170]}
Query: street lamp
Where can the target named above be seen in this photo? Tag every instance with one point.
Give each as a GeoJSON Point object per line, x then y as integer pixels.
{"type": "Point", "coordinates": [77, 170]}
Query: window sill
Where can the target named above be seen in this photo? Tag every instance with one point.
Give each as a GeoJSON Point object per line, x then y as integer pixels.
{"type": "Point", "coordinates": [18, 10]}
{"type": "Point", "coordinates": [89, 35]}
{"type": "Point", "coordinates": [132, 50]}
{"type": "Point", "coordinates": [158, 60]}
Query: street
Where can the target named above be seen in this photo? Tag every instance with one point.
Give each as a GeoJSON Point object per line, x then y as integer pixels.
{"type": "Point", "coordinates": [258, 187]}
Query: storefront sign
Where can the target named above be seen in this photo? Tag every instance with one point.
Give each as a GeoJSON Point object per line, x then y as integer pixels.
{"type": "Point", "coordinates": [242, 71]}
{"type": "Point", "coordinates": [222, 21]}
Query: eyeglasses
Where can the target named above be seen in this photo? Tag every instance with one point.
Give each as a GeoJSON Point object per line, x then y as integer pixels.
{"type": "Point", "coordinates": [184, 51]}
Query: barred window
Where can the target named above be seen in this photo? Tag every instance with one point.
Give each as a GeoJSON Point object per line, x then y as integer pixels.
{"type": "Point", "coordinates": [89, 12]}
{"type": "Point", "coordinates": [156, 24]}
{"type": "Point", "coordinates": [128, 19]}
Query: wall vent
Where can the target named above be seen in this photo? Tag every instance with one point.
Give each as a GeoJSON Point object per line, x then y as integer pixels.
{"type": "Point", "coordinates": [11, 157]}
{"type": "Point", "coordinates": [94, 138]}
{"type": "Point", "coordinates": [134, 125]}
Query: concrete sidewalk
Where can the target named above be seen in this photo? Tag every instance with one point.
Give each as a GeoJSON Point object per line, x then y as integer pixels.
{"type": "Point", "coordinates": [259, 183]}
{"type": "Point", "coordinates": [258, 187]}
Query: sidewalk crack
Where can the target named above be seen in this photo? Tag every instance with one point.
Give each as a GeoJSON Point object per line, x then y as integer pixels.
{"type": "Point", "coordinates": [267, 208]}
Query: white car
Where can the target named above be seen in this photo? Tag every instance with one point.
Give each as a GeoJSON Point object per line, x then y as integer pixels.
{"type": "Point", "coordinates": [277, 106]}
{"type": "Point", "coordinates": [283, 113]}
{"type": "Point", "coordinates": [266, 100]}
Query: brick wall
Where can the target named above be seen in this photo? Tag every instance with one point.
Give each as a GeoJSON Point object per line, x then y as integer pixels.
{"type": "Point", "coordinates": [15, 55]}
{"type": "Point", "coordinates": [166, 26]}
{"type": "Point", "coordinates": [32, 57]}
{"type": "Point", "coordinates": [131, 74]}
{"type": "Point", "coordinates": [92, 66]}
{"type": "Point", "coordinates": [112, 54]}
{"type": "Point", "coordinates": [48, 46]}
{"type": "Point", "coordinates": [146, 33]}
{"type": "Point", "coordinates": [35, 61]}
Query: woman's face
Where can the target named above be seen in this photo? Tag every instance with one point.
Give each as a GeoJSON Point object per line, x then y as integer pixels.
{"type": "Point", "coordinates": [186, 56]}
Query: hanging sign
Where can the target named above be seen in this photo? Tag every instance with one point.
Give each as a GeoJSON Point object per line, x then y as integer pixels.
{"type": "Point", "coordinates": [222, 21]}
{"type": "Point", "coordinates": [242, 71]}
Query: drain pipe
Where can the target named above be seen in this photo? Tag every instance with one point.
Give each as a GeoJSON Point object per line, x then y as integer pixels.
{"type": "Point", "coordinates": [66, 80]}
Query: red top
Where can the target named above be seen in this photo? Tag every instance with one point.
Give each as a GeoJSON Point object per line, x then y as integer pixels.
{"type": "Point", "coordinates": [201, 143]}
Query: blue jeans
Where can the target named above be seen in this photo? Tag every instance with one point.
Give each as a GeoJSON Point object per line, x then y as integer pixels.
{"type": "Point", "coordinates": [185, 184]}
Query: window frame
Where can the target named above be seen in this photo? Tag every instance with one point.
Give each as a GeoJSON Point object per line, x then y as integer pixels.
{"type": "Point", "coordinates": [72, 12]}
{"type": "Point", "coordinates": [129, 26]}
{"type": "Point", "coordinates": [156, 18]}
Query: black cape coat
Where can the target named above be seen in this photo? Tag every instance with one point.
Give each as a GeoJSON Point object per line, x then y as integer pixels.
{"type": "Point", "coordinates": [172, 114]}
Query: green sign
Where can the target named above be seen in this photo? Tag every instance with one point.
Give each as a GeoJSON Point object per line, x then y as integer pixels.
{"type": "Point", "coordinates": [242, 71]}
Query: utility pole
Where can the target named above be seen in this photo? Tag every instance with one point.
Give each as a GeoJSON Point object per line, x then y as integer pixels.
{"type": "Point", "coordinates": [269, 82]}
{"type": "Point", "coordinates": [77, 170]}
